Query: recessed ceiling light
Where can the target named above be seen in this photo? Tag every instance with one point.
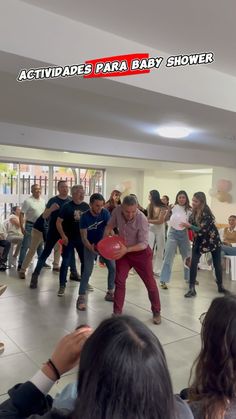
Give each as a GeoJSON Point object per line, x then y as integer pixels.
{"type": "Point", "coordinates": [66, 152]}
{"type": "Point", "coordinates": [173, 132]}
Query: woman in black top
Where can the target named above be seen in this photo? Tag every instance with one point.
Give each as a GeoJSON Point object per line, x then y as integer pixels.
{"type": "Point", "coordinates": [206, 239]}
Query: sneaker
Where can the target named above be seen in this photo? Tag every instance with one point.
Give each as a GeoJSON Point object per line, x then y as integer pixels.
{"type": "Point", "coordinates": [164, 286]}
{"type": "Point", "coordinates": [2, 346]}
{"type": "Point", "coordinates": [21, 275]}
{"type": "Point", "coordinates": [90, 287]}
{"type": "Point", "coordinates": [56, 269]}
{"type": "Point", "coordinates": [157, 318]}
{"type": "Point", "coordinates": [187, 262]}
{"type": "Point", "coordinates": [61, 291]}
{"type": "Point", "coordinates": [46, 266]}
{"type": "Point", "coordinates": [3, 289]}
{"type": "Point", "coordinates": [191, 293]}
{"type": "Point", "coordinates": [34, 281]}
{"type": "Point", "coordinates": [109, 296]}
{"type": "Point", "coordinates": [75, 277]}
{"type": "Point", "coordinates": [80, 304]}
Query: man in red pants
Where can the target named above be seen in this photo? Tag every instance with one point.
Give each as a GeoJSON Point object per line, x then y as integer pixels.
{"type": "Point", "coordinates": [136, 253]}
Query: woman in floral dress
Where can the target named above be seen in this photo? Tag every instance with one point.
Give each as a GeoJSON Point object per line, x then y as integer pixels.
{"type": "Point", "coordinates": [206, 239]}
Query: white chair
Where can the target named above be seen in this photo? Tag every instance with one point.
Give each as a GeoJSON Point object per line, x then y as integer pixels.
{"type": "Point", "coordinates": [231, 266]}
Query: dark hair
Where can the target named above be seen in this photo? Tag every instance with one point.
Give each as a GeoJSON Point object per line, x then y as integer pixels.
{"type": "Point", "coordinates": [215, 368]}
{"type": "Point", "coordinates": [60, 182]}
{"type": "Point", "coordinates": [13, 210]}
{"type": "Point", "coordinates": [123, 374]}
{"type": "Point", "coordinates": [155, 202]}
{"type": "Point", "coordinates": [111, 200]}
{"type": "Point", "coordinates": [167, 198]}
{"type": "Point", "coordinates": [96, 197]}
{"type": "Point", "coordinates": [232, 216]}
{"type": "Point", "coordinates": [187, 204]}
{"type": "Point", "coordinates": [204, 208]}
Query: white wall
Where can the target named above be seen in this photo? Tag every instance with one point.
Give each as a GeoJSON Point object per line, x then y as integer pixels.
{"type": "Point", "coordinates": [195, 183]}
{"type": "Point", "coordinates": [125, 180]}
{"type": "Point", "coordinates": [222, 210]}
{"type": "Point", "coordinates": [170, 183]}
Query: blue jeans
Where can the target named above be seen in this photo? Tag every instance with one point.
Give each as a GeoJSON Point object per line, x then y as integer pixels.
{"type": "Point", "coordinates": [89, 258]}
{"type": "Point", "coordinates": [26, 243]}
{"type": "Point", "coordinates": [52, 238]}
{"type": "Point", "coordinates": [228, 250]}
{"type": "Point", "coordinates": [68, 259]}
{"type": "Point", "coordinates": [175, 238]}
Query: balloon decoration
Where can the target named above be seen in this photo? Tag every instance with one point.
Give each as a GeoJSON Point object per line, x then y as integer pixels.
{"type": "Point", "coordinates": [222, 194]}
{"type": "Point", "coordinates": [125, 187]}
{"type": "Point", "coordinates": [108, 246]}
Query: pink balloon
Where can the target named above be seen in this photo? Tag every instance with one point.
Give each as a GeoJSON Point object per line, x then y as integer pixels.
{"type": "Point", "coordinates": [108, 246]}
{"type": "Point", "coordinates": [224, 185]}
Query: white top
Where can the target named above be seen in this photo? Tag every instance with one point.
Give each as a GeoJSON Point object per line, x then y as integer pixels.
{"type": "Point", "coordinates": [32, 208]}
{"type": "Point", "coordinates": [179, 215]}
{"type": "Point", "coordinates": [12, 229]}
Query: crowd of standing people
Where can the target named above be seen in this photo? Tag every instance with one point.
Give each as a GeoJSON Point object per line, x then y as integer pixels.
{"type": "Point", "coordinates": [151, 237]}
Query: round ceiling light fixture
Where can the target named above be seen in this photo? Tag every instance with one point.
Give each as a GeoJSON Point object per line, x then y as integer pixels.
{"type": "Point", "coordinates": [174, 132]}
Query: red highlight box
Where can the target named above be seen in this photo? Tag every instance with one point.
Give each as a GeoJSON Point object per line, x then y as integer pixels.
{"type": "Point", "coordinates": [119, 65]}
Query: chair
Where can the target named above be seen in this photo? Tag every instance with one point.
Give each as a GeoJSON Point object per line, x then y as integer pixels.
{"type": "Point", "coordinates": [231, 266]}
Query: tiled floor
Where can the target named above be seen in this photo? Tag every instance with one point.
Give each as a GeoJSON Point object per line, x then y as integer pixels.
{"type": "Point", "coordinates": [31, 321]}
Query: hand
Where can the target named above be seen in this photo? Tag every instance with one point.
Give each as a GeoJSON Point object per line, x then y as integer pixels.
{"type": "Point", "coordinates": [65, 240]}
{"type": "Point", "coordinates": [186, 225]}
{"type": "Point", "coordinates": [67, 352]}
{"type": "Point", "coordinates": [54, 207]}
{"type": "Point", "coordinates": [121, 252]}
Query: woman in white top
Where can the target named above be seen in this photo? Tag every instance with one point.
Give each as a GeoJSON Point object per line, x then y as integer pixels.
{"type": "Point", "coordinates": [177, 237]}
{"type": "Point", "coordinates": [156, 217]}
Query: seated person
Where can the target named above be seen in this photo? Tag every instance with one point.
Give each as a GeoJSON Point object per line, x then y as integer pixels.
{"type": "Point", "coordinates": [229, 237]}
{"type": "Point", "coordinates": [5, 245]}
{"type": "Point", "coordinates": [14, 234]}
{"type": "Point", "coordinates": [123, 374]}
{"type": "Point", "coordinates": [212, 385]}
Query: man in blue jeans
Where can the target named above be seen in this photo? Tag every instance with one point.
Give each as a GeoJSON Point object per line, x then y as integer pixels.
{"type": "Point", "coordinates": [68, 226]}
{"type": "Point", "coordinates": [92, 226]}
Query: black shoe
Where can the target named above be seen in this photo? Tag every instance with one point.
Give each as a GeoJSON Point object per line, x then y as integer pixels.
{"type": "Point", "coordinates": [34, 281]}
{"type": "Point", "coordinates": [222, 290]}
{"type": "Point", "coordinates": [19, 267]}
{"type": "Point", "coordinates": [75, 277]}
{"type": "Point", "coordinates": [3, 267]}
{"type": "Point", "coordinates": [191, 293]}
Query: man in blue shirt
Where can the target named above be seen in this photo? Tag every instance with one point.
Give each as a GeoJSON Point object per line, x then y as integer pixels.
{"type": "Point", "coordinates": [92, 226]}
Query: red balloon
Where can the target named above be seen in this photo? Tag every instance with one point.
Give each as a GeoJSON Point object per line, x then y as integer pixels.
{"type": "Point", "coordinates": [109, 245]}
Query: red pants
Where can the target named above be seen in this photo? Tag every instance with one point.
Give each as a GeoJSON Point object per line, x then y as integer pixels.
{"type": "Point", "coordinates": [142, 263]}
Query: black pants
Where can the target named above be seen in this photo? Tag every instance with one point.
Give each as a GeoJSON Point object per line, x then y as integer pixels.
{"type": "Point", "coordinates": [6, 247]}
{"type": "Point", "coordinates": [52, 239]}
{"type": "Point", "coordinates": [68, 252]}
{"type": "Point", "coordinates": [216, 258]}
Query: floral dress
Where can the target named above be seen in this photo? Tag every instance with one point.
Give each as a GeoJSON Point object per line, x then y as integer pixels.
{"type": "Point", "coordinates": [206, 235]}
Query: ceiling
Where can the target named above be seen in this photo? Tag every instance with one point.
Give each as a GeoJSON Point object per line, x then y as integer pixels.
{"type": "Point", "coordinates": [109, 109]}
{"type": "Point", "coordinates": [177, 27]}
